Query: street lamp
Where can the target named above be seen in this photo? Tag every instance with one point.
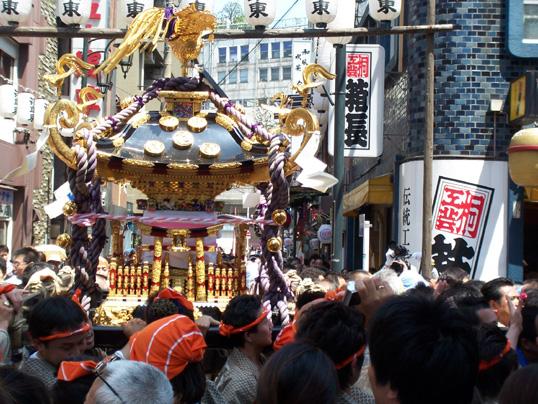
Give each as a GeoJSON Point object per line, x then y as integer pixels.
{"type": "Point", "coordinates": [74, 12]}
{"type": "Point", "coordinates": [15, 12]}
{"type": "Point", "coordinates": [260, 13]}
{"type": "Point", "coordinates": [320, 13]}
{"type": "Point", "coordinates": [345, 19]}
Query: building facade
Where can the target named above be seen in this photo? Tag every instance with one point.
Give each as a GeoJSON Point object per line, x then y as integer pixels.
{"type": "Point", "coordinates": [479, 216]}
{"type": "Point", "coordinates": [23, 221]}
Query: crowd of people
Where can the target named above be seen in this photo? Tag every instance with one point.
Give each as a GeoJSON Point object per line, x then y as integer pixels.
{"type": "Point", "coordinates": [354, 337]}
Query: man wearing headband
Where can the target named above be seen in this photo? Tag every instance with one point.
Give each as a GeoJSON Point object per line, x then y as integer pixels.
{"type": "Point", "coordinates": [176, 346]}
{"type": "Point", "coordinates": [58, 328]}
{"type": "Point", "coordinates": [248, 326]}
{"type": "Point", "coordinates": [338, 331]}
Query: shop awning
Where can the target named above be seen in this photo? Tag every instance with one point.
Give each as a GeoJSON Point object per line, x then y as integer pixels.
{"type": "Point", "coordinates": [376, 191]}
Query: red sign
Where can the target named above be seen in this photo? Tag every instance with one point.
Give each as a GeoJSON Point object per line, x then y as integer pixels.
{"type": "Point", "coordinates": [358, 65]}
{"type": "Point", "coordinates": [460, 210]}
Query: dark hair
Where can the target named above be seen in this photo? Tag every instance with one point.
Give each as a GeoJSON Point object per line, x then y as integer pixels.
{"type": "Point", "coordinates": [491, 342]}
{"type": "Point", "coordinates": [299, 373]}
{"type": "Point", "coordinates": [476, 284]}
{"type": "Point", "coordinates": [338, 331]}
{"type": "Point", "coordinates": [160, 309]}
{"type": "Point", "coordinates": [140, 312]}
{"type": "Point", "coordinates": [32, 269]}
{"type": "Point", "coordinates": [453, 275]}
{"type": "Point", "coordinates": [240, 311]}
{"type": "Point", "coordinates": [423, 350]}
{"type": "Point", "coordinates": [521, 387]}
{"type": "Point", "coordinates": [56, 313]}
{"type": "Point", "coordinates": [190, 384]}
{"type": "Point", "coordinates": [17, 387]}
{"type": "Point", "coordinates": [492, 289]}
{"type": "Point", "coordinates": [529, 312]}
{"type": "Point", "coordinates": [3, 267]}
{"type": "Point", "coordinates": [467, 299]}
{"type": "Point", "coordinates": [73, 392]}
{"type": "Point", "coordinates": [421, 289]}
{"type": "Point", "coordinates": [29, 254]}
{"type": "Point", "coordinates": [4, 248]}
{"type": "Point", "coordinates": [308, 296]}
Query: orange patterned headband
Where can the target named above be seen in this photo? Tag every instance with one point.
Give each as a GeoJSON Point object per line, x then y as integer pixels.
{"type": "Point", "coordinates": [64, 334]}
{"type": "Point", "coordinates": [227, 330]}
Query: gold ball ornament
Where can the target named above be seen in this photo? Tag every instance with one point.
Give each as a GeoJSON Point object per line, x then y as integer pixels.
{"type": "Point", "coordinates": [154, 148]}
{"type": "Point", "coordinates": [63, 240]}
{"type": "Point", "coordinates": [183, 139]}
{"type": "Point", "coordinates": [246, 145]}
{"type": "Point", "coordinates": [279, 217]}
{"type": "Point", "coordinates": [197, 124]}
{"type": "Point", "coordinates": [274, 244]}
{"type": "Point", "coordinates": [168, 123]}
{"type": "Point", "coordinates": [70, 208]}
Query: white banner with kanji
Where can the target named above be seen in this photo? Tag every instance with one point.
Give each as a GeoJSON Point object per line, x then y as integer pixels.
{"type": "Point", "coordinates": [468, 216]}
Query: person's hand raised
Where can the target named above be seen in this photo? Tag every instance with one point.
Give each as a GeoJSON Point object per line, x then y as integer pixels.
{"type": "Point", "coordinates": [373, 293]}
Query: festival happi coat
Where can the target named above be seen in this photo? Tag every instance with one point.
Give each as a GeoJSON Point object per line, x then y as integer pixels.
{"type": "Point", "coordinates": [181, 157]}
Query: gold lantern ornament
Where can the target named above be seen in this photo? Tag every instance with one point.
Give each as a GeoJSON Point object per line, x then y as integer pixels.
{"type": "Point", "coordinates": [279, 217]}
{"type": "Point", "coordinates": [70, 208]}
{"type": "Point", "coordinates": [274, 244]}
{"type": "Point", "coordinates": [63, 240]}
{"type": "Point", "coordinates": [523, 157]}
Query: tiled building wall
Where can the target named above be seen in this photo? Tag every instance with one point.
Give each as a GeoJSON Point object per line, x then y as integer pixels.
{"type": "Point", "coordinates": [472, 66]}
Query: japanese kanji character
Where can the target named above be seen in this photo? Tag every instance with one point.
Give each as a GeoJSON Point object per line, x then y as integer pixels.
{"type": "Point", "coordinates": [10, 7]}
{"type": "Point", "coordinates": [134, 8]}
{"type": "Point", "coordinates": [320, 7]}
{"type": "Point", "coordinates": [406, 216]}
{"type": "Point", "coordinates": [356, 130]}
{"type": "Point", "coordinates": [443, 255]}
{"type": "Point", "coordinates": [385, 6]}
{"type": "Point", "coordinates": [406, 196]}
{"type": "Point", "coordinates": [257, 9]}
{"type": "Point", "coordinates": [71, 9]}
{"type": "Point", "coordinates": [357, 95]}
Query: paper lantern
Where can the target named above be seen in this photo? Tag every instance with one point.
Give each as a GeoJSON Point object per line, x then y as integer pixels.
{"type": "Point", "coordinates": [8, 101]}
{"type": "Point", "coordinates": [345, 19]}
{"type": "Point", "coordinates": [25, 108]}
{"type": "Point", "coordinates": [15, 12]}
{"type": "Point", "coordinates": [127, 10]}
{"type": "Point", "coordinates": [321, 12]}
{"type": "Point", "coordinates": [383, 10]}
{"type": "Point", "coordinates": [325, 234]}
{"type": "Point", "coordinates": [260, 13]}
{"type": "Point", "coordinates": [74, 12]}
{"type": "Point", "coordinates": [40, 107]}
{"type": "Point", "coordinates": [205, 5]}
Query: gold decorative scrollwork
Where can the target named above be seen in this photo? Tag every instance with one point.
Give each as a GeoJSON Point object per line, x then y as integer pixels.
{"type": "Point", "coordinates": [65, 67]}
{"type": "Point", "coordinates": [310, 73]}
{"type": "Point", "coordinates": [62, 114]}
{"type": "Point", "coordinates": [299, 121]}
{"type": "Point", "coordinates": [88, 97]}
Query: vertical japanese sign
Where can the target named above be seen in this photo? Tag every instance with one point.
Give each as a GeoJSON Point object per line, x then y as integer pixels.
{"type": "Point", "coordinates": [302, 57]}
{"type": "Point", "coordinates": [365, 78]}
{"type": "Point", "coordinates": [407, 215]}
{"type": "Point", "coordinates": [460, 216]}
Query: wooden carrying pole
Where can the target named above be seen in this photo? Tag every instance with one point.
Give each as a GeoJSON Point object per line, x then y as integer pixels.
{"type": "Point", "coordinates": [112, 33]}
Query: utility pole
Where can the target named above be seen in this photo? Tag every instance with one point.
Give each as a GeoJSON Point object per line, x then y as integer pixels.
{"type": "Point", "coordinates": [426, 261]}
{"type": "Point", "coordinates": [338, 189]}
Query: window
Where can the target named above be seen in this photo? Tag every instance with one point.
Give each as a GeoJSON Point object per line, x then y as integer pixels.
{"type": "Point", "coordinates": [222, 77]}
{"type": "Point", "coordinates": [530, 21]}
{"type": "Point", "coordinates": [233, 54]}
{"type": "Point", "coordinates": [244, 53]}
{"type": "Point", "coordinates": [275, 50]}
{"type": "Point", "coordinates": [286, 73]}
{"type": "Point", "coordinates": [264, 51]}
{"type": "Point", "coordinates": [243, 76]}
{"type": "Point", "coordinates": [275, 73]}
{"type": "Point", "coordinates": [232, 78]}
{"type": "Point", "coordinates": [222, 55]}
{"type": "Point", "coordinates": [263, 74]}
{"type": "Point", "coordinates": [522, 28]}
{"type": "Point", "coordinates": [287, 49]}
